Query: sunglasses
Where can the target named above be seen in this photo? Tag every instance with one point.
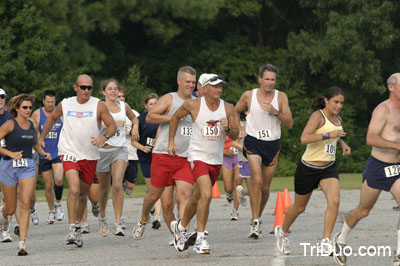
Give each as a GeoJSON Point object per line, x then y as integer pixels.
{"type": "Point", "coordinates": [215, 78]}
{"type": "Point", "coordinates": [2, 96]}
{"type": "Point", "coordinates": [83, 87]}
{"type": "Point", "coordinates": [26, 107]}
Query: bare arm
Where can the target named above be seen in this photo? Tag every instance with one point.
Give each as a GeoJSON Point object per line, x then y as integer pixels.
{"type": "Point", "coordinates": [134, 120]}
{"type": "Point", "coordinates": [242, 105]}
{"type": "Point", "coordinates": [105, 116]}
{"type": "Point", "coordinates": [285, 115]}
{"type": "Point", "coordinates": [5, 129]}
{"type": "Point", "coordinates": [37, 147]}
{"type": "Point", "coordinates": [158, 113]}
{"type": "Point", "coordinates": [231, 126]}
{"type": "Point", "coordinates": [51, 119]}
{"type": "Point", "coordinates": [182, 112]}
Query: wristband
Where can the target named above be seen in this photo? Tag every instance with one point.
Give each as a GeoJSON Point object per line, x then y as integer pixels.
{"type": "Point", "coordinates": [229, 129]}
{"type": "Point", "coordinates": [326, 135]}
{"type": "Point", "coordinates": [277, 113]}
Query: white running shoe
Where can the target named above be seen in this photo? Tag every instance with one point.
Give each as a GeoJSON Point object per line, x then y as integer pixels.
{"type": "Point", "coordinates": [326, 248]}
{"type": "Point", "coordinates": [338, 254]}
{"type": "Point", "coordinates": [171, 241]}
{"type": "Point", "coordinates": [35, 217]}
{"type": "Point", "coordinates": [5, 237]}
{"type": "Point", "coordinates": [85, 228]}
{"type": "Point", "coordinates": [201, 246]}
{"type": "Point", "coordinates": [118, 231]}
{"type": "Point", "coordinates": [396, 261]}
{"type": "Point", "coordinates": [282, 241]}
{"type": "Point", "coordinates": [59, 212]}
{"type": "Point", "coordinates": [4, 223]}
{"type": "Point", "coordinates": [71, 236]}
{"type": "Point", "coordinates": [103, 227]}
{"type": "Point", "coordinates": [156, 222]}
{"type": "Point", "coordinates": [234, 215]}
{"type": "Point", "coordinates": [21, 251]}
{"type": "Point", "coordinates": [179, 236]}
{"type": "Point", "coordinates": [78, 243]}
{"type": "Point", "coordinates": [242, 198]}
{"type": "Point", "coordinates": [139, 230]}
{"type": "Point", "coordinates": [123, 224]}
{"type": "Point", "coordinates": [126, 190]}
{"type": "Point", "coordinates": [52, 218]}
{"type": "Point", "coordinates": [95, 209]}
{"type": "Point", "coordinates": [229, 197]}
{"type": "Point", "coordinates": [255, 231]}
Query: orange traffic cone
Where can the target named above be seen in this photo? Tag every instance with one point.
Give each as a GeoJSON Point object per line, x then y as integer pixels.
{"type": "Point", "coordinates": [286, 199]}
{"type": "Point", "coordinates": [280, 211]}
{"type": "Point", "coordinates": [215, 191]}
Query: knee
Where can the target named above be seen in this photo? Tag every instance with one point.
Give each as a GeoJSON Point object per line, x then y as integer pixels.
{"type": "Point", "coordinates": [265, 191]}
{"type": "Point", "coordinates": [10, 210]}
{"type": "Point", "coordinates": [74, 191]}
{"type": "Point", "coordinates": [363, 212]}
{"type": "Point", "coordinates": [49, 186]}
{"type": "Point", "coordinates": [206, 196]}
{"type": "Point", "coordinates": [298, 209]}
{"type": "Point", "coordinates": [167, 207]}
{"type": "Point", "coordinates": [256, 182]}
{"type": "Point", "coordinates": [117, 188]}
{"type": "Point", "coordinates": [333, 203]}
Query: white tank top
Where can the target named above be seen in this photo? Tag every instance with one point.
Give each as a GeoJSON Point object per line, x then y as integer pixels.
{"type": "Point", "coordinates": [260, 123]}
{"type": "Point", "coordinates": [208, 136]}
{"type": "Point", "coordinates": [132, 151]}
{"type": "Point", "coordinates": [183, 132]}
{"type": "Point", "coordinates": [80, 124]}
{"type": "Point", "coordinates": [119, 138]}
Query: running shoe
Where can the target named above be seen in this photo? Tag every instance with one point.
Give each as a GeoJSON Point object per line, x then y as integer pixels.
{"type": "Point", "coordinates": [103, 227]}
{"type": "Point", "coordinates": [255, 231]}
{"type": "Point", "coordinates": [118, 231]}
{"type": "Point", "coordinates": [171, 241]}
{"type": "Point", "coordinates": [123, 224]}
{"type": "Point", "coordinates": [179, 236]}
{"type": "Point", "coordinates": [95, 209]}
{"type": "Point", "coordinates": [338, 254]}
{"type": "Point", "coordinates": [201, 246]}
{"type": "Point", "coordinates": [4, 223]}
{"type": "Point", "coordinates": [126, 189]}
{"type": "Point", "coordinates": [52, 218]}
{"type": "Point", "coordinates": [139, 230]}
{"type": "Point", "coordinates": [78, 243]}
{"type": "Point", "coordinates": [282, 241]}
{"type": "Point", "coordinates": [396, 261]}
{"type": "Point", "coordinates": [16, 229]}
{"type": "Point", "coordinates": [71, 236]}
{"type": "Point", "coordinates": [242, 198]}
{"type": "Point", "coordinates": [229, 197]}
{"type": "Point", "coordinates": [234, 215]}
{"type": "Point", "coordinates": [153, 210]}
{"type": "Point", "coordinates": [191, 238]}
{"type": "Point", "coordinates": [21, 251]}
{"type": "Point", "coordinates": [156, 222]}
{"type": "Point", "coordinates": [5, 237]}
{"type": "Point", "coordinates": [85, 228]}
{"type": "Point", "coordinates": [326, 248]}
{"type": "Point", "coordinates": [59, 212]}
{"type": "Point", "coordinates": [35, 217]}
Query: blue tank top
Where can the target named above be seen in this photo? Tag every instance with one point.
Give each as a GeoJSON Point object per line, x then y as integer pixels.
{"type": "Point", "coordinates": [51, 139]}
{"type": "Point", "coordinates": [147, 133]}
{"type": "Point", "coordinates": [21, 140]}
{"type": "Point", "coordinates": [3, 118]}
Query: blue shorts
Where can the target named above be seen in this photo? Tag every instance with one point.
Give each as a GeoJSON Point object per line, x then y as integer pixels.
{"type": "Point", "coordinates": [11, 175]}
{"type": "Point", "coordinates": [380, 175]}
{"type": "Point", "coordinates": [244, 169]}
{"type": "Point", "coordinates": [145, 166]}
{"type": "Point", "coordinates": [267, 150]}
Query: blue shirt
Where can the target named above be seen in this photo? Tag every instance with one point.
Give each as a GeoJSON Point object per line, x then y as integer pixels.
{"type": "Point", "coordinates": [21, 140]}
{"type": "Point", "coordinates": [52, 138]}
{"type": "Point", "coordinates": [146, 132]}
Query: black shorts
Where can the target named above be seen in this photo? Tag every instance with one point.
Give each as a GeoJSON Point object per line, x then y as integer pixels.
{"type": "Point", "coordinates": [307, 177]}
{"type": "Point", "coordinates": [145, 167]}
{"type": "Point", "coordinates": [267, 150]}
{"type": "Point", "coordinates": [131, 171]}
{"type": "Point", "coordinates": [45, 165]}
{"type": "Point", "coordinates": [380, 175]}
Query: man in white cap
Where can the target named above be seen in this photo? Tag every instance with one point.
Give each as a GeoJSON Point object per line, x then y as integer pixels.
{"type": "Point", "coordinates": [212, 120]}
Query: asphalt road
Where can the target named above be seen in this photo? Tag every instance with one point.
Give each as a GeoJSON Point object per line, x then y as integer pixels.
{"type": "Point", "coordinates": [228, 239]}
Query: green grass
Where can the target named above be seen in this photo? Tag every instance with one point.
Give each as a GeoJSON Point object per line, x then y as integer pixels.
{"type": "Point", "coordinates": [347, 181]}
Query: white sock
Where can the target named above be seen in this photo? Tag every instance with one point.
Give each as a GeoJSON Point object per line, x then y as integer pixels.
{"type": "Point", "coordinates": [342, 239]}
{"type": "Point", "coordinates": [72, 226]}
{"type": "Point", "coordinates": [181, 228]}
{"type": "Point", "coordinates": [200, 235]}
{"type": "Point", "coordinates": [398, 242]}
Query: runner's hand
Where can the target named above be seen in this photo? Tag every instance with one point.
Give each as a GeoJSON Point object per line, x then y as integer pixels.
{"type": "Point", "coordinates": [16, 155]}
{"type": "Point", "coordinates": [172, 149]}
{"type": "Point", "coordinates": [99, 141]}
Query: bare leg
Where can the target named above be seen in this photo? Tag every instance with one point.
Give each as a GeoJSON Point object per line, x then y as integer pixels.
{"type": "Point", "coordinates": [331, 189]}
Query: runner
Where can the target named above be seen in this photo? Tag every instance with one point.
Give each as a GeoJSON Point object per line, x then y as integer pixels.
{"type": "Point", "coordinates": [114, 157]}
{"type": "Point", "coordinates": [78, 147]}
{"type": "Point", "coordinates": [53, 167]}
{"type": "Point", "coordinates": [382, 167]}
{"type": "Point", "coordinates": [165, 170]}
{"type": "Point", "coordinates": [268, 108]}
{"type": "Point", "coordinates": [317, 166]}
{"type": "Point", "coordinates": [244, 168]}
{"type": "Point", "coordinates": [17, 166]}
{"type": "Point", "coordinates": [213, 119]}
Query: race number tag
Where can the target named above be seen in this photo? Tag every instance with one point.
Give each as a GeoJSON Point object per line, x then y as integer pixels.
{"type": "Point", "coordinates": [392, 170]}
{"type": "Point", "coordinates": [330, 149]}
{"type": "Point", "coordinates": [235, 150]}
{"type": "Point", "coordinates": [186, 131]}
{"type": "Point", "coordinates": [69, 158]}
{"type": "Point", "coordinates": [51, 135]}
{"type": "Point", "coordinates": [211, 132]}
{"type": "Point", "coordinates": [23, 162]}
{"type": "Point", "coordinates": [3, 143]}
{"type": "Point", "coordinates": [264, 134]}
{"type": "Point", "coordinates": [150, 142]}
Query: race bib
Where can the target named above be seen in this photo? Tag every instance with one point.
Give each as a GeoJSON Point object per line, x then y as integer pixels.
{"type": "Point", "coordinates": [186, 131]}
{"type": "Point", "coordinates": [330, 149]}
{"type": "Point", "coordinates": [392, 170]}
{"type": "Point", "coordinates": [51, 135]}
{"type": "Point", "coordinates": [264, 134]}
{"type": "Point", "coordinates": [211, 132]}
{"type": "Point", "coordinates": [69, 158]}
{"type": "Point", "coordinates": [3, 143]}
{"type": "Point", "coordinates": [150, 142]}
{"type": "Point", "coordinates": [23, 162]}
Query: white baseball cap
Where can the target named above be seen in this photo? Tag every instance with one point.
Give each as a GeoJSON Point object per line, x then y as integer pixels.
{"type": "Point", "coordinates": [203, 78]}
{"type": "Point", "coordinates": [2, 92]}
{"type": "Point", "coordinates": [211, 79]}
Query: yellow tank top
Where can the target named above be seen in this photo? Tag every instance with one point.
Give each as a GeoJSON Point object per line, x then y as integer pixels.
{"type": "Point", "coordinates": [323, 150]}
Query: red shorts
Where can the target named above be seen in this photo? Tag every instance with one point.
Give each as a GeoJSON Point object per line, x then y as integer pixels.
{"type": "Point", "coordinates": [201, 168]}
{"type": "Point", "coordinates": [165, 169]}
{"type": "Point", "coordinates": [86, 168]}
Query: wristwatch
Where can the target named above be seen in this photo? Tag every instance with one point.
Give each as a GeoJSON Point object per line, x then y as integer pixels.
{"type": "Point", "coordinates": [277, 113]}
{"type": "Point", "coordinates": [107, 136]}
{"type": "Point", "coordinates": [229, 129]}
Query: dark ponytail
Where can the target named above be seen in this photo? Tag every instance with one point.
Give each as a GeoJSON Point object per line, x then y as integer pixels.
{"type": "Point", "coordinates": [319, 103]}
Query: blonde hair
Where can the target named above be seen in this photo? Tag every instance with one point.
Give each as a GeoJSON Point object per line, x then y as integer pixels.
{"type": "Point", "coordinates": [104, 84]}
{"type": "Point", "coordinates": [16, 101]}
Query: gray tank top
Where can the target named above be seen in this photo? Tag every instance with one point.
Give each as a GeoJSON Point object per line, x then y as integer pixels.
{"type": "Point", "coordinates": [183, 132]}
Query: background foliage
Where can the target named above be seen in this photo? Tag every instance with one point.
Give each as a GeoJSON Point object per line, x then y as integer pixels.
{"type": "Point", "coordinates": [315, 44]}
